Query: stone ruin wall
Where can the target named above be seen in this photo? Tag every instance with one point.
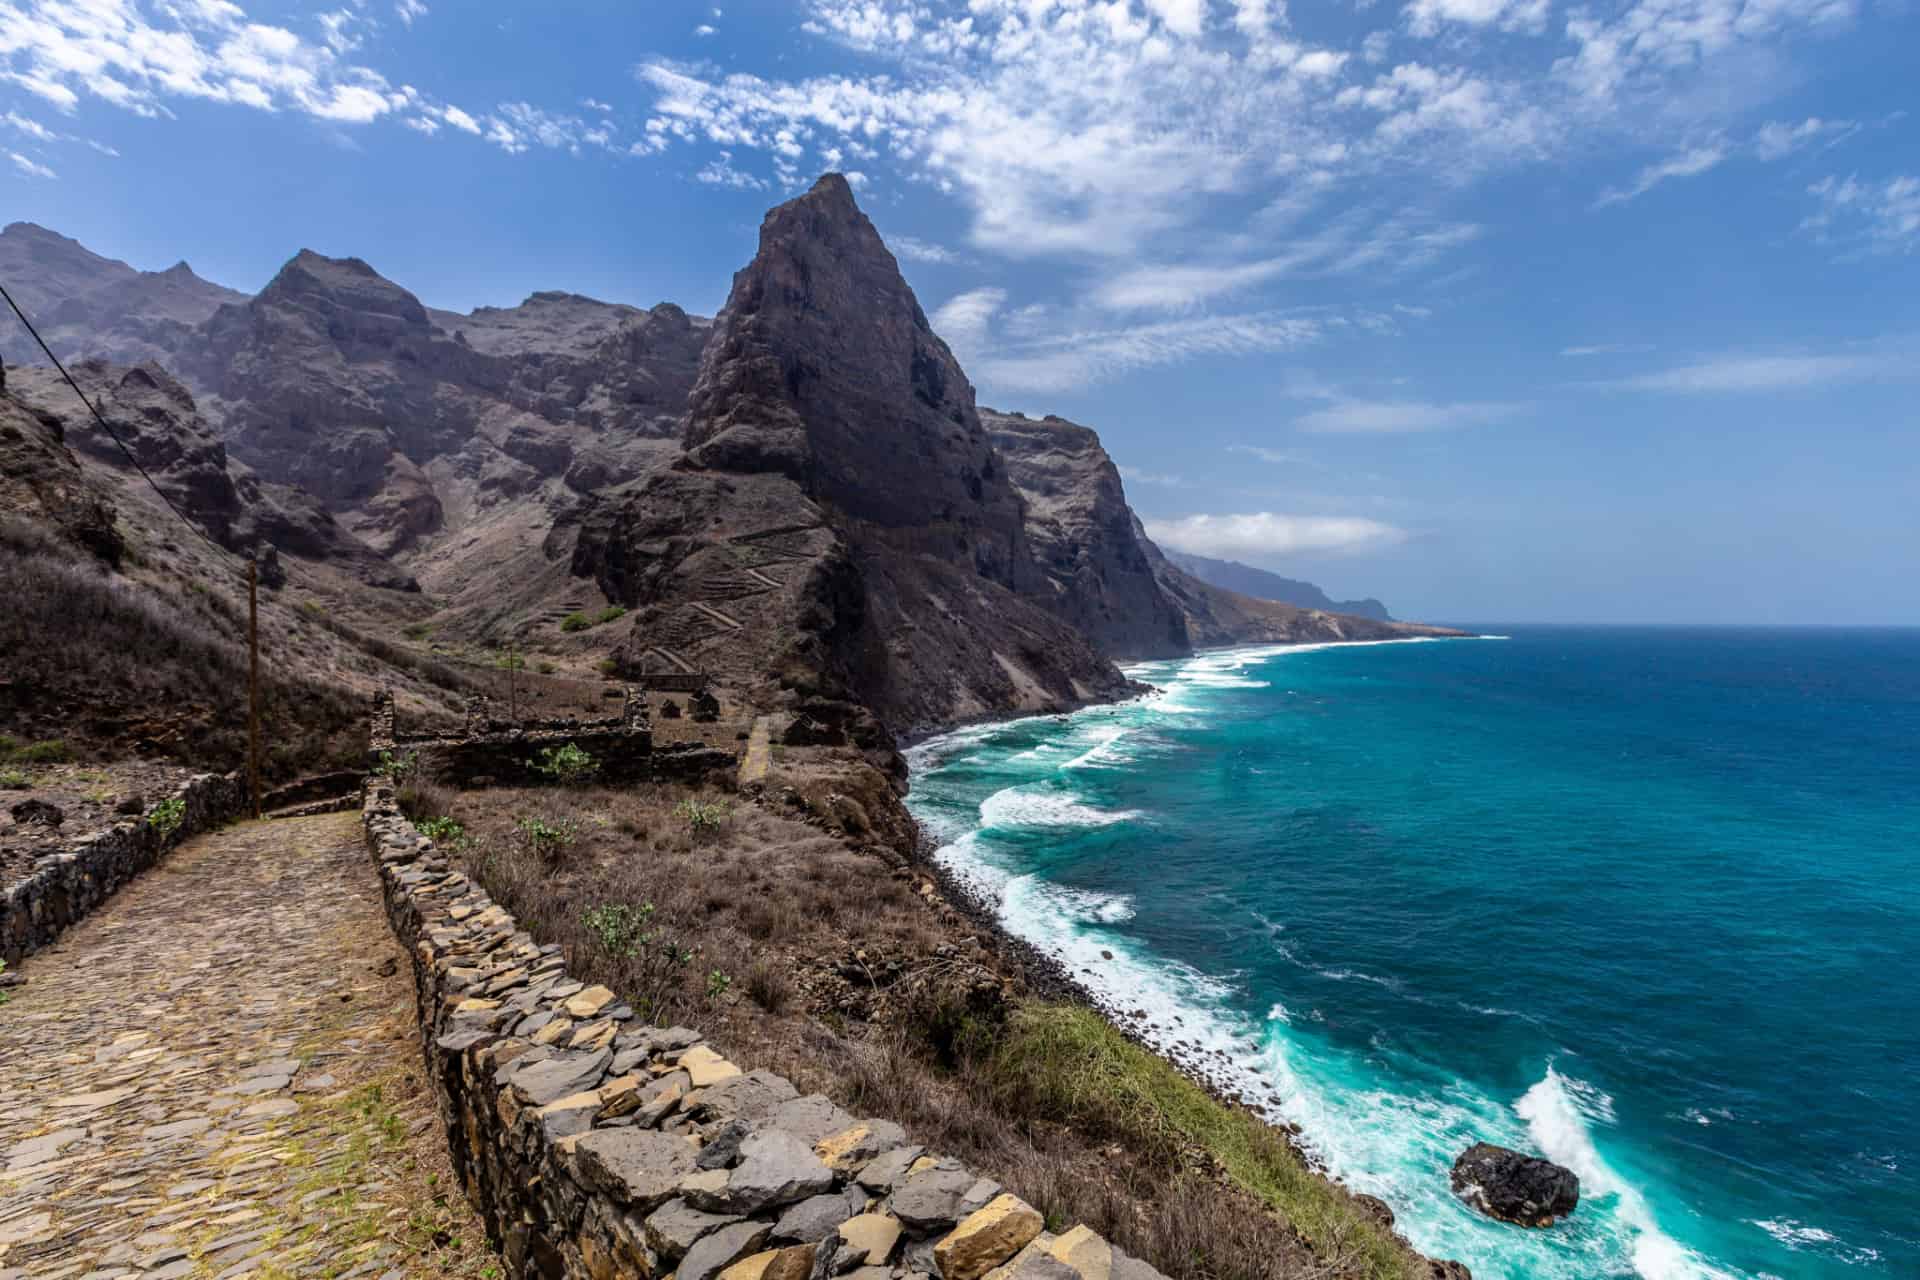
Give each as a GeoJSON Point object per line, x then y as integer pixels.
{"type": "Point", "coordinates": [64, 887]}
{"type": "Point", "coordinates": [492, 751]}
{"type": "Point", "coordinates": [597, 1147]}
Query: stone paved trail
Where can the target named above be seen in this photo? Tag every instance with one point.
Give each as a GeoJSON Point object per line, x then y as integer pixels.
{"type": "Point", "coordinates": [217, 1075]}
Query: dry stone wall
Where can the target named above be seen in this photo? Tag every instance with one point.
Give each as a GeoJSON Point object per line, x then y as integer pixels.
{"type": "Point", "coordinates": [64, 887]}
{"type": "Point", "coordinates": [599, 1147]}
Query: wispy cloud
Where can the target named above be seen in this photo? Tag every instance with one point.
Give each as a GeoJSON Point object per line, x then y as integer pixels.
{"type": "Point", "coordinates": [963, 320]}
{"type": "Point", "coordinates": [1690, 163]}
{"type": "Point", "coordinates": [1159, 479]}
{"type": "Point", "coordinates": [1777, 139]}
{"type": "Point", "coordinates": [1381, 417]}
{"type": "Point", "coordinates": [1874, 216]}
{"type": "Point", "coordinates": [1081, 358]}
{"type": "Point", "coordinates": [1262, 452]}
{"type": "Point", "coordinates": [914, 250]}
{"type": "Point", "coordinates": [1265, 534]}
{"type": "Point", "coordinates": [1733, 374]}
{"type": "Point", "coordinates": [31, 167]}
{"type": "Point", "coordinates": [1607, 349]}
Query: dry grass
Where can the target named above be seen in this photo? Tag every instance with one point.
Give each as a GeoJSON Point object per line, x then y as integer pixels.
{"type": "Point", "coordinates": [835, 968]}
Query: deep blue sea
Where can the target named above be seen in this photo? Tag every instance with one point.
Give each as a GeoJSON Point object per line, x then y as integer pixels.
{"type": "Point", "coordinates": [1640, 900]}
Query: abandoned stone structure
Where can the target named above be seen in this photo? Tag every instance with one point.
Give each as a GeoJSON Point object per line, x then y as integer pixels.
{"type": "Point", "coordinates": [598, 1147]}
{"type": "Point", "coordinates": [495, 751]}
{"type": "Point", "coordinates": [63, 888]}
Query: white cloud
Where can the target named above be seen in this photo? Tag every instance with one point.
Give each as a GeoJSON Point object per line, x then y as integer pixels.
{"type": "Point", "coordinates": [1379, 417]}
{"type": "Point", "coordinates": [1071, 359]}
{"type": "Point", "coordinates": [1426, 17]}
{"type": "Point", "coordinates": [1776, 139]}
{"type": "Point", "coordinates": [962, 321]}
{"type": "Point", "coordinates": [1379, 246]}
{"type": "Point", "coordinates": [460, 119]}
{"type": "Point", "coordinates": [914, 250]}
{"type": "Point", "coordinates": [32, 168]}
{"type": "Point", "coordinates": [1159, 479]}
{"type": "Point", "coordinates": [703, 30]}
{"type": "Point", "coordinates": [1607, 349]}
{"type": "Point", "coordinates": [1735, 374]}
{"type": "Point", "coordinates": [409, 10]}
{"type": "Point", "coordinates": [1690, 163]}
{"type": "Point", "coordinates": [1871, 217]}
{"type": "Point", "coordinates": [1264, 534]}
{"type": "Point", "coordinates": [719, 172]}
{"type": "Point", "coordinates": [1279, 457]}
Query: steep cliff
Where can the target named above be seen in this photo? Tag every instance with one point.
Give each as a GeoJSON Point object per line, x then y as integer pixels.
{"type": "Point", "coordinates": [841, 519]}
{"type": "Point", "coordinates": [1085, 538]}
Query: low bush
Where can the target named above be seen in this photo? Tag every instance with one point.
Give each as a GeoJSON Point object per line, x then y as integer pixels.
{"type": "Point", "coordinates": [569, 765]}
{"type": "Point", "coordinates": [575, 622]}
{"type": "Point", "coordinates": [612, 613]}
{"type": "Point", "coordinates": [14, 780]}
{"type": "Point", "coordinates": [546, 839]}
{"type": "Point", "coordinates": [704, 818]}
{"type": "Point", "coordinates": [439, 828]}
{"type": "Point", "coordinates": [167, 816]}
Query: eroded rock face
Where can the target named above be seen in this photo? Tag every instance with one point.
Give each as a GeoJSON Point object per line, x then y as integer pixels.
{"type": "Point", "coordinates": [840, 502]}
{"type": "Point", "coordinates": [1083, 535]}
{"type": "Point", "coordinates": [1515, 1187]}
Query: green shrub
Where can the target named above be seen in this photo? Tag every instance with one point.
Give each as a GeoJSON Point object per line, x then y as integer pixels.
{"type": "Point", "coordinates": [439, 828]}
{"type": "Point", "coordinates": [545, 668]}
{"type": "Point", "coordinates": [398, 768]}
{"type": "Point", "coordinates": [575, 622]}
{"type": "Point", "coordinates": [704, 818]}
{"type": "Point", "coordinates": [417, 630]}
{"type": "Point", "coordinates": [568, 765]}
{"type": "Point", "coordinates": [14, 780]}
{"type": "Point", "coordinates": [8, 744]}
{"type": "Point", "coordinates": [5, 995]}
{"type": "Point", "coordinates": [52, 751]}
{"type": "Point", "coordinates": [654, 961]}
{"type": "Point", "coordinates": [607, 667]}
{"type": "Point", "coordinates": [718, 984]}
{"type": "Point", "coordinates": [547, 839]}
{"type": "Point", "coordinates": [167, 816]}
{"type": "Point", "coordinates": [510, 662]}
{"type": "Point", "coordinates": [612, 613]}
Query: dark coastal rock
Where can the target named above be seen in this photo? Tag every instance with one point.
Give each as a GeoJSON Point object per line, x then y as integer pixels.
{"type": "Point", "coordinates": [38, 812]}
{"type": "Point", "coordinates": [1514, 1187]}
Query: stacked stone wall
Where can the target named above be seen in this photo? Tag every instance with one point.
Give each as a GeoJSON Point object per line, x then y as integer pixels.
{"type": "Point", "coordinates": [598, 1147]}
{"type": "Point", "coordinates": [64, 887]}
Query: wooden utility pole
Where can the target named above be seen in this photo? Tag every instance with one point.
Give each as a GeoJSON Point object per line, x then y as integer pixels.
{"type": "Point", "coordinates": [253, 682]}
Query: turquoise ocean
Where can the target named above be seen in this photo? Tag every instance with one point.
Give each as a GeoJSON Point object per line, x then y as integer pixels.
{"type": "Point", "coordinates": [1643, 901]}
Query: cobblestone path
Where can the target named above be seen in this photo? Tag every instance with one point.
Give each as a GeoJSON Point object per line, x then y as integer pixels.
{"type": "Point", "coordinates": [217, 1075]}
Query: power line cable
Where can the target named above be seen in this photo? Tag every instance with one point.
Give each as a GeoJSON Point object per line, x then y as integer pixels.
{"type": "Point", "coordinates": [104, 425]}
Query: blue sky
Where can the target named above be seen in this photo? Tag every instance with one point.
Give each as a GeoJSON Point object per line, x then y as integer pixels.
{"type": "Point", "coordinates": [1497, 309]}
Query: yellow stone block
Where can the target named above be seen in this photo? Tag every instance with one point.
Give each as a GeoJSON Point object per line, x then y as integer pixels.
{"type": "Point", "coordinates": [705, 1067]}
{"type": "Point", "coordinates": [1084, 1251]}
{"type": "Point", "coordinates": [585, 1004]}
{"type": "Point", "coordinates": [987, 1238]}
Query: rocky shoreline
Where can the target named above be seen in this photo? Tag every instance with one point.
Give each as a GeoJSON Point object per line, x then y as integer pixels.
{"type": "Point", "coordinates": [1050, 978]}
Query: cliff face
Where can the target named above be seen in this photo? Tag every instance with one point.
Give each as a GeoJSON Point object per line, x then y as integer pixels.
{"type": "Point", "coordinates": [1085, 538]}
{"type": "Point", "coordinates": [840, 503]}
{"type": "Point", "coordinates": [1261, 585]}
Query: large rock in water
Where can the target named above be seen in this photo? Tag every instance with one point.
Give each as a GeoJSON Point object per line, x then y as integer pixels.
{"type": "Point", "coordinates": [1515, 1187]}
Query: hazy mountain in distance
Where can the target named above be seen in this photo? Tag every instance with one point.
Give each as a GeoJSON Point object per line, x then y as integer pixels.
{"type": "Point", "coordinates": [1262, 585]}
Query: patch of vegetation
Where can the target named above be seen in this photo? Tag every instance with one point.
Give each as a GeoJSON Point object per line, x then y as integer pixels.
{"type": "Point", "coordinates": [417, 630]}
{"type": "Point", "coordinates": [612, 613]}
{"type": "Point", "coordinates": [546, 839]}
{"type": "Point", "coordinates": [569, 765]}
{"type": "Point", "coordinates": [510, 662]}
{"type": "Point", "coordinates": [607, 667]}
{"type": "Point", "coordinates": [5, 995]}
{"type": "Point", "coordinates": [167, 816]}
{"type": "Point", "coordinates": [654, 961]}
{"type": "Point", "coordinates": [442, 828]}
{"type": "Point", "coordinates": [704, 818]}
{"type": "Point", "coordinates": [575, 622]}
{"type": "Point", "coordinates": [52, 751]}
{"type": "Point", "coordinates": [1068, 1065]}
{"type": "Point", "coordinates": [719, 982]}
{"type": "Point", "coordinates": [545, 668]}
{"type": "Point", "coordinates": [398, 767]}
{"type": "Point", "coordinates": [14, 780]}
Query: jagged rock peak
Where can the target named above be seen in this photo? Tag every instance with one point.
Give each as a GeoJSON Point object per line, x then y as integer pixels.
{"type": "Point", "coordinates": [822, 366]}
